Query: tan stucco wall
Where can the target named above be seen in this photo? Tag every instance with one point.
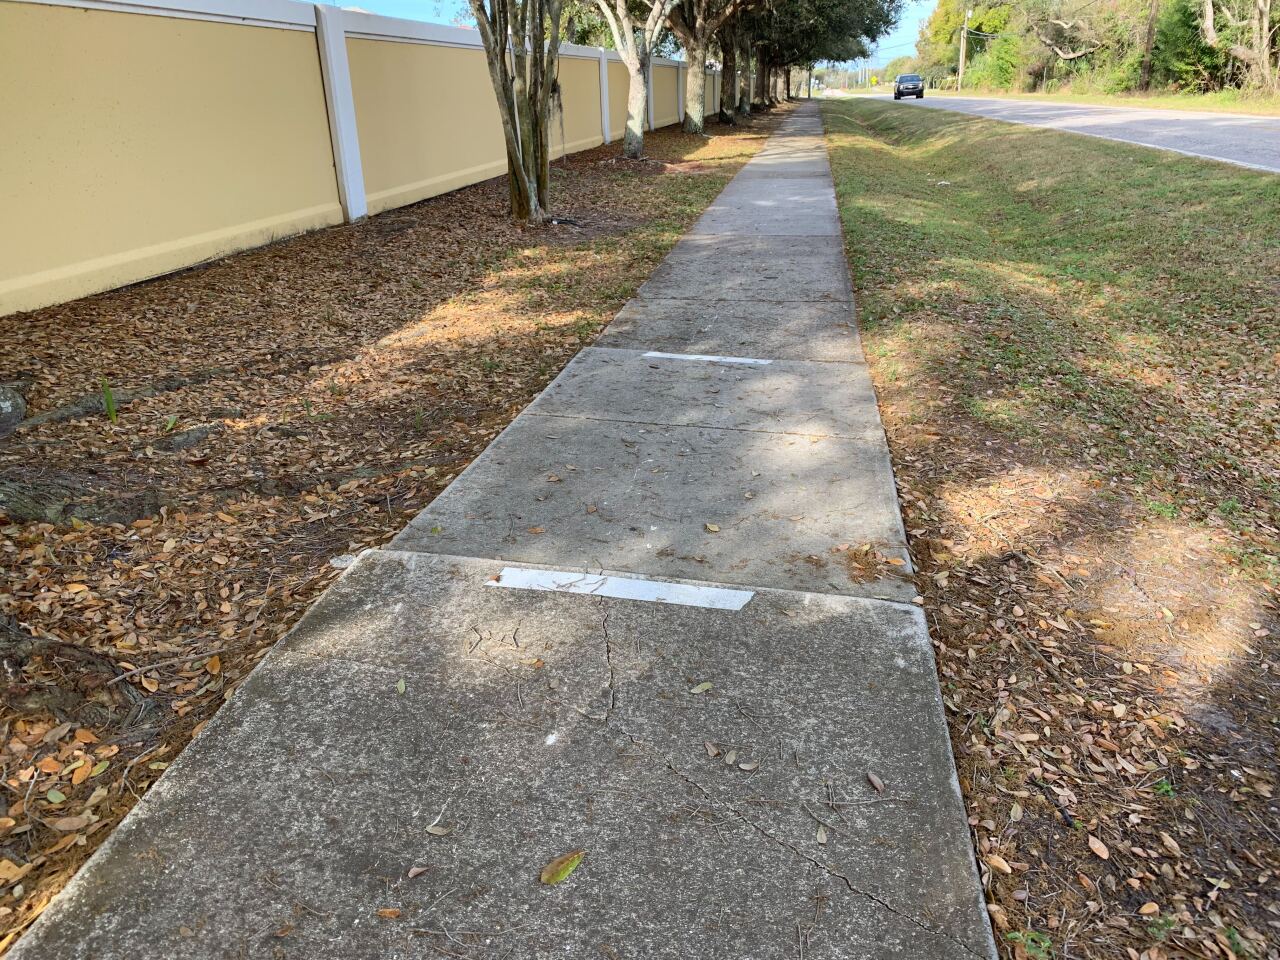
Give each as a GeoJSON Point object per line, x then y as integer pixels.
{"type": "Point", "coordinates": [665, 105]}
{"type": "Point", "coordinates": [427, 119]}
{"type": "Point", "coordinates": [134, 145]}
{"type": "Point", "coordinates": [619, 80]}
{"type": "Point", "coordinates": [580, 95]}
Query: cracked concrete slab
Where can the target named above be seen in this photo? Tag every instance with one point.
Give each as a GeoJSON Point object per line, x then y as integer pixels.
{"type": "Point", "coordinates": [588, 494]}
{"type": "Point", "coordinates": [798, 330]}
{"type": "Point", "coordinates": [415, 696]}
{"type": "Point", "coordinates": [829, 400]}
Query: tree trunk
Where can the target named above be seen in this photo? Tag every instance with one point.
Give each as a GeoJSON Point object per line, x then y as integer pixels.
{"type": "Point", "coordinates": [493, 25]}
{"type": "Point", "coordinates": [695, 89]}
{"type": "Point", "coordinates": [728, 77]}
{"type": "Point", "coordinates": [1148, 45]}
{"type": "Point", "coordinates": [637, 110]}
{"type": "Point", "coordinates": [744, 71]}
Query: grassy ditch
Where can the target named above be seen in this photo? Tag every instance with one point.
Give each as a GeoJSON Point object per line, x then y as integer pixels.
{"type": "Point", "coordinates": [1076, 348]}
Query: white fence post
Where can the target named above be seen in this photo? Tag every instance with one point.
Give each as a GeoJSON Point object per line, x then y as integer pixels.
{"type": "Point", "coordinates": [680, 82]}
{"type": "Point", "coordinates": [604, 95]}
{"type": "Point", "coordinates": [331, 38]}
{"type": "Point", "coordinates": [648, 91]}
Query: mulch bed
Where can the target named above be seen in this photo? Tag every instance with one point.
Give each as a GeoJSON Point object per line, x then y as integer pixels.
{"type": "Point", "coordinates": [274, 412]}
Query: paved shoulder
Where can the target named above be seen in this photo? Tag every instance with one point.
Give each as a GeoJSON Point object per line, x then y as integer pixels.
{"type": "Point", "coordinates": [1241, 139]}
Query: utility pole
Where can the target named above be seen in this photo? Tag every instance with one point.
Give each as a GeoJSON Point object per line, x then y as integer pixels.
{"type": "Point", "coordinates": [964, 42]}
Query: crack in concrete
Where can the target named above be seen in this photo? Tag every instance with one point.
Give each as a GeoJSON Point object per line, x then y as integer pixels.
{"type": "Point", "coordinates": [611, 686]}
{"type": "Point", "coordinates": [853, 888]}
{"type": "Point", "coordinates": [795, 851]}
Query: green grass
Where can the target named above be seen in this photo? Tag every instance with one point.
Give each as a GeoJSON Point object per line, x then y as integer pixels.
{"type": "Point", "coordinates": [1114, 306]}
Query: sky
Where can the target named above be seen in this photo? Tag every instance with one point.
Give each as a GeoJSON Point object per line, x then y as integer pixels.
{"type": "Point", "coordinates": [901, 40]}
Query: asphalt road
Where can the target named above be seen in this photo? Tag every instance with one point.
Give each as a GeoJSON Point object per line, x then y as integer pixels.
{"type": "Point", "coordinates": [1249, 141]}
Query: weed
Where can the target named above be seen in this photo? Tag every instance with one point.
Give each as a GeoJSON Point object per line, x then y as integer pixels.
{"type": "Point", "coordinates": [1164, 788]}
{"type": "Point", "coordinates": [311, 414]}
{"type": "Point", "coordinates": [1036, 944]}
{"type": "Point", "coordinates": [108, 400]}
{"type": "Point", "coordinates": [170, 422]}
{"type": "Point", "coordinates": [1161, 927]}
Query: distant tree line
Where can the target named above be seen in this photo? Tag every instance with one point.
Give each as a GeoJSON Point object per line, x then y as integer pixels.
{"type": "Point", "coordinates": [1110, 46]}
{"type": "Point", "coordinates": [758, 43]}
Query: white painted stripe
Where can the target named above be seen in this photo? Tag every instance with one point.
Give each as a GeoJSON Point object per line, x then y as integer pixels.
{"type": "Point", "coordinates": [623, 588]}
{"type": "Point", "coordinates": [658, 354]}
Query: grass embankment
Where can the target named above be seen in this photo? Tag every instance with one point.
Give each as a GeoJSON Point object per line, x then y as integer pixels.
{"type": "Point", "coordinates": [1076, 346]}
{"type": "Point", "coordinates": [1221, 101]}
{"type": "Point", "coordinates": [294, 403]}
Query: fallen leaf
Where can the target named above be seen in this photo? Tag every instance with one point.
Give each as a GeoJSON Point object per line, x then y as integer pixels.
{"type": "Point", "coordinates": [213, 665]}
{"type": "Point", "coordinates": [700, 688]}
{"type": "Point", "coordinates": [1098, 847]}
{"type": "Point", "coordinates": [65, 824]}
{"type": "Point", "coordinates": [875, 782]}
{"type": "Point", "coordinates": [389, 913]}
{"type": "Point", "coordinates": [558, 870]}
{"type": "Point", "coordinates": [1149, 908]}
{"type": "Point", "coordinates": [712, 528]}
{"type": "Point", "coordinates": [438, 831]}
{"type": "Point", "coordinates": [997, 862]}
{"type": "Point", "coordinates": [822, 834]}
{"type": "Point", "coordinates": [400, 686]}
{"type": "Point", "coordinates": [416, 872]}
{"type": "Point", "coordinates": [537, 530]}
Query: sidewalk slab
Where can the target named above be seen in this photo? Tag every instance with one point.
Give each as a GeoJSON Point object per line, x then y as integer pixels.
{"type": "Point", "coordinates": [758, 268]}
{"type": "Point", "coordinates": [638, 498]}
{"type": "Point", "coordinates": [798, 330]}
{"type": "Point", "coordinates": [756, 219]}
{"type": "Point", "coordinates": [532, 724]}
{"type": "Point", "coordinates": [777, 396]}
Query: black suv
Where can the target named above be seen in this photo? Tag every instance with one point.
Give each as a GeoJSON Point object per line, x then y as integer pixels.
{"type": "Point", "coordinates": [908, 85]}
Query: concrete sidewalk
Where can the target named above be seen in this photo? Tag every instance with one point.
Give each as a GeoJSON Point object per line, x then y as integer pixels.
{"type": "Point", "coordinates": [631, 628]}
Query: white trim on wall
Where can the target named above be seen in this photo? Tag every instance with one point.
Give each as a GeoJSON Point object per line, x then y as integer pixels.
{"type": "Point", "coordinates": [648, 92]}
{"type": "Point", "coordinates": [680, 82]}
{"type": "Point", "coordinates": [280, 14]}
{"type": "Point", "coordinates": [331, 39]}
{"type": "Point", "coordinates": [602, 55]}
